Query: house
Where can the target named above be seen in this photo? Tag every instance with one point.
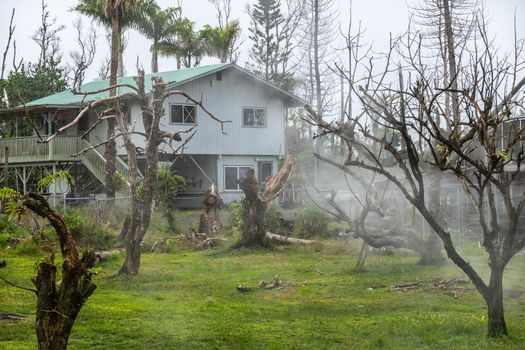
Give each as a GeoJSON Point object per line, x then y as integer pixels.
{"type": "Point", "coordinates": [253, 139]}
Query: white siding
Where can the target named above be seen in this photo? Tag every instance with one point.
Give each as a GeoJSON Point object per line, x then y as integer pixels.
{"type": "Point", "coordinates": [251, 161]}
{"type": "Point", "coordinates": [225, 100]}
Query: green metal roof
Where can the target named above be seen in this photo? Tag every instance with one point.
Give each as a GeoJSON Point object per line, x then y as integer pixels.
{"type": "Point", "coordinates": [176, 77]}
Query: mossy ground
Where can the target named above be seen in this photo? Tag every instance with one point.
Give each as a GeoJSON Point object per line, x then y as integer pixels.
{"type": "Point", "coordinates": [188, 300]}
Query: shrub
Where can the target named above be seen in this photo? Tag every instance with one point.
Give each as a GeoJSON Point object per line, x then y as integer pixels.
{"type": "Point", "coordinates": [235, 221]}
{"type": "Point", "coordinates": [11, 229]}
{"type": "Point", "coordinates": [87, 232]}
{"type": "Point", "coordinates": [272, 219]}
{"type": "Point", "coordinates": [311, 221]}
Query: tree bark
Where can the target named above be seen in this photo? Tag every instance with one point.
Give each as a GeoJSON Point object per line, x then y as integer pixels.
{"type": "Point", "coordinates": [58, 303]}
{"type": "Point", "coordinates": [154, 61]}
{"type": "Point", "coordinates": [494, 299]}
{"type": "Point", "coordinates": [110, 152]}
{"type": "Point", "coordinates": [131, 265]}
{"type": "Point", "coordinates": [254, 210]}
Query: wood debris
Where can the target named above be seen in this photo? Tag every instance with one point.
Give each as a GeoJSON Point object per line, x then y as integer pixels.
{"type": "Point", "coordinates": [201, 240]}
{"type": "Point", "coordinates": [274, 284]}
{"type": "Point", "coordinates": [455, 287]}
{"type": "Point", "coordinates": [243, 289]}
{"type": "Point", "coordinates": [10, 317]}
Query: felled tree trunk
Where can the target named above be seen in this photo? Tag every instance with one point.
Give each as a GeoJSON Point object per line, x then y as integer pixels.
{"type": "Point", "coordinates": [58, 304]}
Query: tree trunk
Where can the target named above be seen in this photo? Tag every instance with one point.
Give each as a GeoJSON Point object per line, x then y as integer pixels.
{"type": "Point", "coordinates": [58, 303]}
{"type": "Point", "coordinates": [431, 254]}
{"type": "Point", "coordinates": [110, 152]}
{"type": "Point", "coordinates": [206, 224]}
{"type": "Point", "coordinates": [131, 265]}
{"type": "Point", "coordinates": [494, 299]}
{"type": "Point", "coordinates": [154, 61]}
{"type": "Point", "coordinates": [254, 210]}
{"type": "Point", "coordinates": [363, 253]}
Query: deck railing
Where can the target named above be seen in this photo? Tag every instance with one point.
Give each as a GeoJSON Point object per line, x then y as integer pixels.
{"type": "Point", "coordinates": [61, 148]}
{"type": "Point", "coordinates": [28, 149]}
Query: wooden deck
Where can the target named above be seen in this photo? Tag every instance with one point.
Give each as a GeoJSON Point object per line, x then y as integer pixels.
{"type": "Point", "coordinates": [28, 150]}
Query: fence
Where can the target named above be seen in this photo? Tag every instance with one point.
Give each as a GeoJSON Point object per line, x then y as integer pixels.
{"type": "Point", "coordinates": [459, 215]}
{"type": "Point", "coordinates": [105, 211]}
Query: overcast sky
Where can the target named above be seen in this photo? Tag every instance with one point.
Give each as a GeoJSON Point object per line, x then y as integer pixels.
{"type": "Point", "coordinates": [379, 17]}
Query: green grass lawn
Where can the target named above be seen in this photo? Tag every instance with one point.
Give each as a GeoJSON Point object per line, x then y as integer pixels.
{"type": "Point", "coordinates": [188, 300]}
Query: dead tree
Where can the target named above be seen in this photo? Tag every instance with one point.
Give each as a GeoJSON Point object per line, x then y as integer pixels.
{"type": "Point", "coordinates": [83, 58]}
{"type": "Point", "coordinates": [58, 301]}
{"type": "Point", "coordinates": [255, 204]}
{"type": "Point", "coordinates": [376, 222]}
{"type": "Point", "coordinates": [46, 37]}
{"type": "Point", "coordinates": [212, 201]}
{"type": "Point", "coordinates": [136, 225]}
{"type": "Point", "coordinates": [10, 36]}
{"type": "Point", "coordinates": [478, 151]}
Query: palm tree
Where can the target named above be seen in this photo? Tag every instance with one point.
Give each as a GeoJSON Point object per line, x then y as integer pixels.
{"type": "Point", "coordinates": [221, 42]}
{"type": "Point", "coordinates": [122, 13]}
{"type": "Point", "coordinates": [157, 25]}
{"type": "Point", "coordinates": [117, 14]}
{"type": "Point", "coordinates": [184, 43]}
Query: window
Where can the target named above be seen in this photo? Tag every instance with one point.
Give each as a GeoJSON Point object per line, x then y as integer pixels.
{"type": "Point", "coordinates": [255, 117]}
{"type": "Point", "coordinates": [232, 175]}
{"type": "Point", "coordinates": [83, 123]}
{"type": "Point", "coordinates": [182, 114]}
{"type": "Point", "coordinates": [265, 173]}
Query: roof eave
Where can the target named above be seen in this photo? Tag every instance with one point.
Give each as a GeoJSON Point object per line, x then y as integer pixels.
{"type": "Point", "coordinates": [16, 111]}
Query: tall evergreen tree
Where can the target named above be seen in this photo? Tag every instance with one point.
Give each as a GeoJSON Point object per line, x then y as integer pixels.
{"type": "Point", "coordinates": [270, 51]}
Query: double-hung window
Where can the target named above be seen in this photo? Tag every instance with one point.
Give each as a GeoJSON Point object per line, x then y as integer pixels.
{"type": "Point", "coordinates": [232, 175]}
{"type": "Point", "coordinates": [254, 117]}
{"type": "Point", "coordinates": [182, 113]}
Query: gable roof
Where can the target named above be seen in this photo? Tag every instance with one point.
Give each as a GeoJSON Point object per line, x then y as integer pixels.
{"type": "Point", "coordinates": [172, 78]}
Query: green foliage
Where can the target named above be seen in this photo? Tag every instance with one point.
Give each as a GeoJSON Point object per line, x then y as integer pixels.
{"type": "Point", "coordinates": [31, 82]}
{"type": "Point", "coordinates": [269, 53]}
{"type": "Point", "coordinates": [87, 232]}
{"type": "Point", "coordinates": [235, 222]}
{"type": "Point", "coordinates": [52, 178]}
{"type": "Point", "coordinates": [311, 221]}
{"type": "Point", "coordinates": [504, 153]}
{"type": "Point", "coordinates": [13, 202]}
{"type": "Point", "coordinates": [168, 187]}
{"type": "Point", "coordinates": [7, 227]}
{"type": "Point", "coordinates": [222, 42]}
{"type": "Point", "coordinates": [28, 247]}
{"type": "Point", "coordinates": [324, 304]}
{"type": "Point", "coordinates": [272, 219]}
{"type": "Point", "coordinates": [120, 181]}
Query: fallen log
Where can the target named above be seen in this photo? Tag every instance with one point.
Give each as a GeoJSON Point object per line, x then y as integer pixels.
{"type": "Point", "coordinates": [280, 238]}
{"type": "Point", "coordinates": [105, 255]}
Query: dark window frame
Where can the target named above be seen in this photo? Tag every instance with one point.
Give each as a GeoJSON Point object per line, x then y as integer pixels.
{"type": "Point", "coordinates": [185, 119]}
{"type": "Point", "coordinates": [238, 167]}
{"type": "Point", "coordinates": [254, 109]}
